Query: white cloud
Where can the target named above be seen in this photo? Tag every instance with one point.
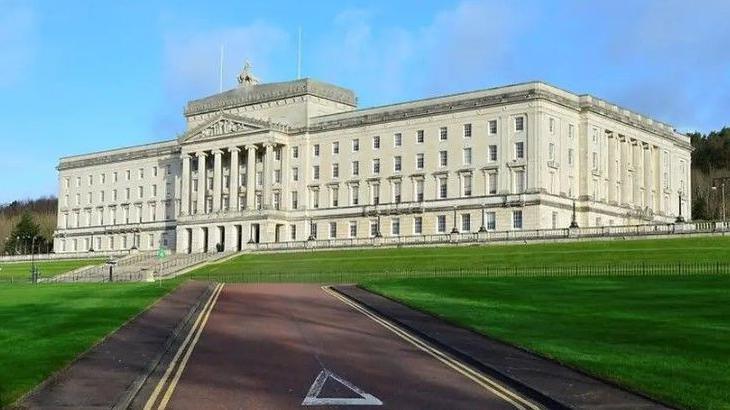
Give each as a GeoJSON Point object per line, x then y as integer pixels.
{"type": "Point", "coordinates": [460, 46]}
{"type": "Point", "coordinates": [18, 41]}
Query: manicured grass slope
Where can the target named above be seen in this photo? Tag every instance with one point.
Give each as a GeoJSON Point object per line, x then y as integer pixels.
{"type": "Point", "coordinates": [20, 271]}
{"type": "Point", "coordinates": [350, 265]}
{"type": "Point", "coordinates": [666, 336]}
{"type": "Point", "coordinates": [44, 327]}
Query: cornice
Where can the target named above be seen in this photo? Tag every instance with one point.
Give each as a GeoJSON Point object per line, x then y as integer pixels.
{"type": "Point", "coordinates": [112, 157]}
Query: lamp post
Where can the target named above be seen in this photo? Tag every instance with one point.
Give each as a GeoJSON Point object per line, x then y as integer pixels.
{"type": "Point", "coordinates": [680, 218]}
{"type": "Point", "coordinates": [483, 228]}
{"type": "Point", "coordinates": [720, 183]}
{"type": "Point", "coordinates": [454, 229]}
{"type": "Point", "coordinates": [573, 220]}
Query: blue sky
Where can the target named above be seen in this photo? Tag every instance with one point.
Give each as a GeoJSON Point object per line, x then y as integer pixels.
{"type": "Point", "coordinates": [81, 76]}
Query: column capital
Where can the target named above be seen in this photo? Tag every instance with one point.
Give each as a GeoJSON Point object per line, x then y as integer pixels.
{"type": "Point", "coordinates": [251, 147]}
{"type": "Point", "coordinates": [234, 149]}
{"type": "Point", "coordinates": [185, 155]}
{"type": "Point", "coordinates": [201, 154]}
{"type": "Point", "coordinates": [269, 145]}
{"type": "Point", "coordinates": [217, 152]}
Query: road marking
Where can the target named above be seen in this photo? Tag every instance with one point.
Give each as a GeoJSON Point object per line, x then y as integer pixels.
{"type": "Point", "coordinates": [195, 330]}
{"type": "Point", "coordinates": [476, 376]}
{"type": "Point", "coordinates": [313, 399]}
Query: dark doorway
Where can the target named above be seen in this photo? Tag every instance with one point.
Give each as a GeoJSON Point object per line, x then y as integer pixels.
{"type": "Point", "coordinates": [189, 245]}
{"type": "Point", "coordinates": [255, 233]}
{"type": "Point", "coordinates": [222, 238]}
{"type": "Point", "coordinates": [238, 237]}
{"type": "Point", "coordinates": [205, 239]}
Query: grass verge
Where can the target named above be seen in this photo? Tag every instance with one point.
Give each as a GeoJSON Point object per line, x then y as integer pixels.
{"type": "Point", "coordinates": [20, 271]}
{"type": "Point", "coordinates": [355, 265]}
{"type": "Point", "coordinates": [668, 337]}
{"type": "Point", "coordinates": [44, 327]}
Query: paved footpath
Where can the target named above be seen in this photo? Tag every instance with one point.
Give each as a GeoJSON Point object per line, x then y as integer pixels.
{"type": "Point", "coordinates": [287, 346]}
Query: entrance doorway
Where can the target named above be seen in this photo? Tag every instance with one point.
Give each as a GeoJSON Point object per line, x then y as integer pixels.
{"type": "Point", "coordinates": [239, 239]}
{"type": "Point", "coordinates": [205, 239]}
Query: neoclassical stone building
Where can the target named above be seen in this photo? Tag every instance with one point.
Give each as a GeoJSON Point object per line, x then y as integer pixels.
{"type": "Point", "coordinates": [274, 162]}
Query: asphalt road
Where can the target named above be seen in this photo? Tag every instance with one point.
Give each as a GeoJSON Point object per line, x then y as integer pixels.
{"type": "Point", "coordinates": [289, 346]}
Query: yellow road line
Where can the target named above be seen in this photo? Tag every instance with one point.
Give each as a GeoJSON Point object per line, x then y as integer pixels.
{"type": "Point", "coordinates": [471, 373]}
{"type": "Point", "coordinates": [206, 309]}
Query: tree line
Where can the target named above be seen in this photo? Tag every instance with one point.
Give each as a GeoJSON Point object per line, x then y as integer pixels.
{"type": "Point", "coordinates": [710, 160]}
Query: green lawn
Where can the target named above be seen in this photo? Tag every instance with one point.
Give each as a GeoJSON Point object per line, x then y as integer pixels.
{"type": "Point", "coordinates": [666, 336]}
{"type": "Point", "coordinates": [44, 327]}
{"type": "Point", "coordinates": [354, 265]}
{"type": "Point", "coordinates": [20, 271]}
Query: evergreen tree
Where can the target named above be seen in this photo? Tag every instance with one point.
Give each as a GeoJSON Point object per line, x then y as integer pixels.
{"type": "Point", "coordinates": [21, 238]}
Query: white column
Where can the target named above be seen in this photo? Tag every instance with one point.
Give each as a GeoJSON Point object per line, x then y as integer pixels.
{"type": "Point", "coordinates": [251, 177]}
{"type": "Point", "coordinates": [648, 185]}
{"type": "Point", "coordinates": [636, 162]}
{"type": "Point", "coordinates": [285, 188]}
{"type": "Point", "coordinates": [217, 166]}
{"type": "Point", "coordinates": [233, 180]}
{"type": "Point", "coordinates": [612, 169]}
{"type": "Point", "coordinates": [201, 182]}
{"type": "Point", "coordinates": [268, 174]}
{"type": "Point", "coordinates": [185, 188]}
{"type": "Point", "coordinates": [625, 194]}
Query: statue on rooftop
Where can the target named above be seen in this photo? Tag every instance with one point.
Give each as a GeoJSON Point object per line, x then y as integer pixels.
{"type": "Point", "coordinates": [246, 78]}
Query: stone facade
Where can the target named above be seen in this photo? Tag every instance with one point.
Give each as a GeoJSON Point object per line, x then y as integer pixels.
{"type": "Point", "coordinates": [289, 161]}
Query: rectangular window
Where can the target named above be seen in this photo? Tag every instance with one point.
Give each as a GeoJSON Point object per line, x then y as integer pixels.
{"type": "Point", "coordinates": [595, 161]}
{"type": "Point", "coordinates": [492, 153]}
{"type": "Point", "coordinates": [443, 187]}
{"type": "Point", "coordinates": [517, 219]}
{"type": "Point", "coordinates": [492, 127]}
{"type": "Point", "coordinates": [570, 156]}
{"type": "Point", "coordinates": [443, 133]}
{"type": "Point", "coordinates": [571, 131]}
{"type": "Point", "coordinates": [374, 229]}
{"type": "Point", "coordinates": [277, 178]}
{"type": "Point", "coordinates": [419, 190]}
{"type": "Point", "coordinates": [315, 171]}
{"type": "Point", "coordinates": [333, 230]}
{"type": "Point", "coordinates": [551, 125]}
{"type": "Point", "coordinates": [441, 223]}
{"type": "Point", "coordinates": [293, 232]}
{"type": "Point", "coordinates": [335, 148]}
{"type": "Point", "coordinates": [315, 149]}
{"type": "Point", "coordinates": [397, 163]}
{"type": "Point", "coordinates": [154, 190]}
{"type": "Point", "coordinates": [91, 180]}
{"type": "Point", "coordinates": [396, 192]}
{"type": "Point", "coordinates": [418, 225]}
{"type": "Point", "coordinates": [419, 161]}
{"type": "Point", "coordinates": [376, 166]}
{"type": "Point", "coordinates": [353, 229]}
{"type": "Point", "coordinates": [335, 170]}
{"type": "Point", "coordinates": [491, 220]}
{"type": "Point", "coordinates": [313, 230]}
{"type": "Point", "coordinates": [355, 168]}
{"type": "Point", "coordinates": [295, 151]}
{"type": "Point", "coordinates": [276, 200]}
{"type": "Point", "coordinates": [395, 226]}
{"type": "Point", "coordinates": [519, 150]}
{"type": "Point", "coordinates": [519, 182]}
{"type": "Point", "coordinates": [519, 123]}
{"type": "Point", "coordinates": [419, 137]}
{"type": "Point", "coordinates": [294, 200]}
{"type": "Point", "coordinates": [315, 198]}
{"type": "Point", "coordinates": [467, 185]}
{"type": "Point", "coordinates": [443, 158]}
{"type": "Point", "coordinates": [467, 156]}
{"type": "Point", "coordinates": [154, 171]}
{"type": "Point", "coordinates": [356, 145]}
{"type": "Point", "coordinates": [376, 142]}
{"type": "Point", "coordinates": [467, 130]}
{"type": "Point", "coordinates": [295, 174]}
{"type": "Point", "coordinates": [335, 195]}
{"type": "Point", "coordinates": [354, 194]}
{"type": "Point", "coordinates": [466, 223]}
{"type": "Point", "coordinates": [141, 173]}
{"type": "Point", "coordinates": [128, 175]}
{"type": "Point", "coordinates": [551, 151]}
{"type": "Point", "coordinates": [375, 193]}
{"type": "Point", "coordinates": [397, 139]}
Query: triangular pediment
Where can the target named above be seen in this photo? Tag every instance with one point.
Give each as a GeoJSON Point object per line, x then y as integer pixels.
{"type": "Point", "coordinates": [222, 125]}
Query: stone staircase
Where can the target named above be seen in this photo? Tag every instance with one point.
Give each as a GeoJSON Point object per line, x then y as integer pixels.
{"type": "Point", "coordinates": [141, 267]}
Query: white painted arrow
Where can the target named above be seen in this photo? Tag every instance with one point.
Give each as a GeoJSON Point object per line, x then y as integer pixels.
{"type": "Point", "coordinates": [313, 398]}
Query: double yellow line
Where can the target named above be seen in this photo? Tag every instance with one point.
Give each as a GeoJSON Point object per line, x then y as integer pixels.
{"type": "Point", "coordinates": [476, 376]}
{"type": "Point", "coordinates": [180, 360]}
